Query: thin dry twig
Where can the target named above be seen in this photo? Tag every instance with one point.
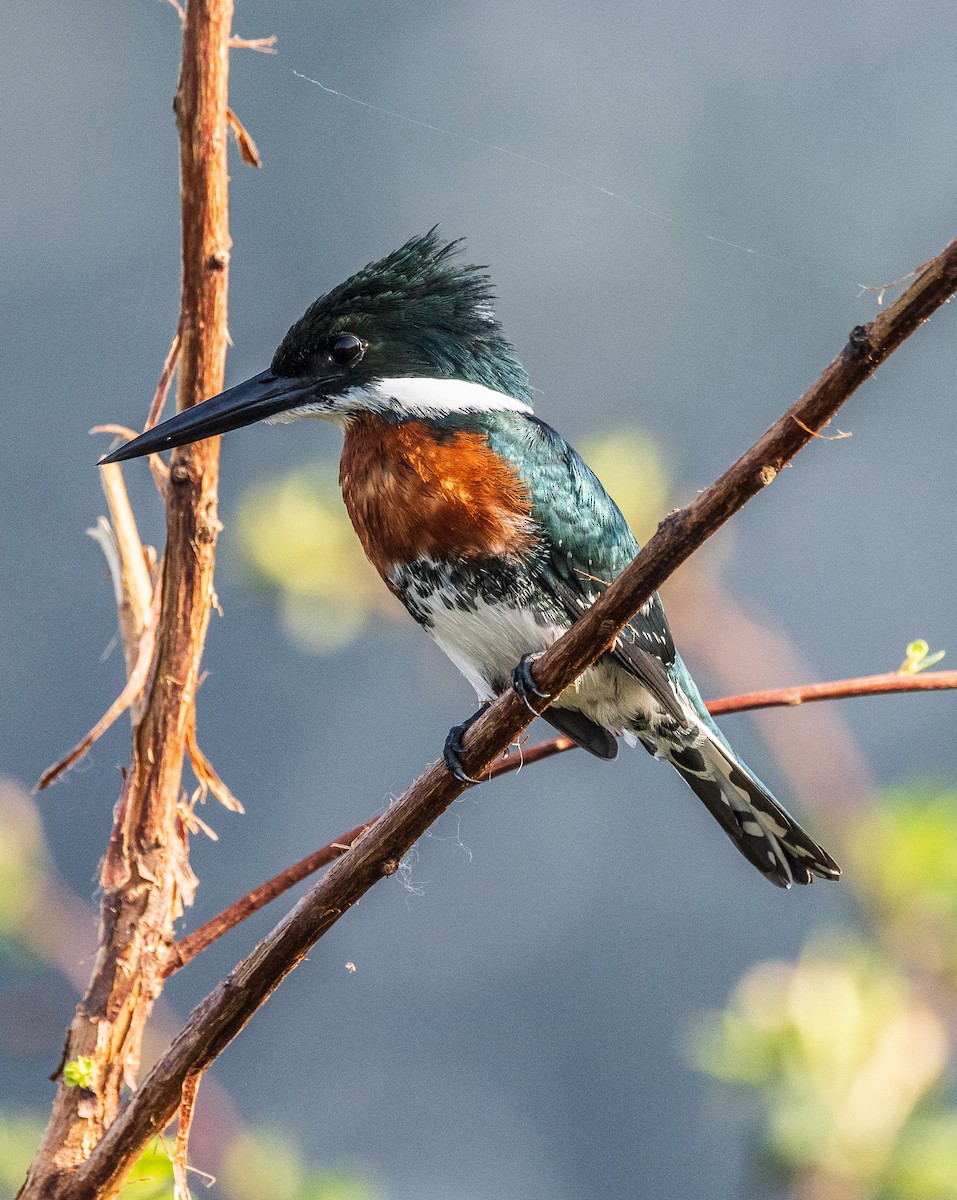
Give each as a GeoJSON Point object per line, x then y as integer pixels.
{"type": "Point", "coordinates": [131, 692]}
{"type": "Point", "coordinates": [158, 469]}
{"type": "Point", "coordinates": [881, 289]}
{"type": "Point", "coordinates": [181, 1150]}
{"type": "Point", "coordinates": [248, 149]}
{"type": "Point", "coordinates": [834, 437]}
{"type": "Point", "coordinates": [841, 689]}
{"type": "Point", "coordinates": [206, 774]}
{"type": "Point", "coordinates": [130, 566]}
{"type": "Point", "coordinates": [170, 363]}
{"type": "Point", "coordinates": [264, 45]}
{"type": "Point", "coordinates": [790, 697]}
{"type": "Point", "coordinates": [186, 949]}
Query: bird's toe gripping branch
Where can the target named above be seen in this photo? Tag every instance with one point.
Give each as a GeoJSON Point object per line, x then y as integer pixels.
{"type": "Point", "coordinates": [452, 750]}
{"type": "Point", "coordinates": [524, 683]}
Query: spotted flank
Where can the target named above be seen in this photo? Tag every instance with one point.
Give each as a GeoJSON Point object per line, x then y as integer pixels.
{"type": "Point", "coordinates": [761, 829]}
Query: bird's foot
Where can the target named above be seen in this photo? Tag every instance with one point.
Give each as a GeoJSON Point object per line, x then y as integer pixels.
{"type": "Point", "coordinates": [452, 750]}
{"type": "Point", "coordinates": [524, 683]}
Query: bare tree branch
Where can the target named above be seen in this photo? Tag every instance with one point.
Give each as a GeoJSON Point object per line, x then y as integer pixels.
{"type": "Point", "coordinates": [186, 949]}
{"type": "Point", "coordinates": [841, 689]}
{"type": "Point", "coordinates": [146, 877]}
{"type": "Point", "coordinates": [220, 1017]}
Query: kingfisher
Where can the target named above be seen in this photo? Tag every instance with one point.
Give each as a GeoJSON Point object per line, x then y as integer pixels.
{"type": "Point", "coordinates": [487, 525]}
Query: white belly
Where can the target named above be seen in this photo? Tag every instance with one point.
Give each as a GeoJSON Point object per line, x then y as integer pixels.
{"type": "Point", "coordinates": [487, 642]}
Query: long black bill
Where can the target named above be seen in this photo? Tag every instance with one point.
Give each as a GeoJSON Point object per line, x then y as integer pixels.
{"type": "Point", "coordinates": [262, 396]}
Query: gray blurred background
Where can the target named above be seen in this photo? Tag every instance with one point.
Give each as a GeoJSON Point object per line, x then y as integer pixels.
{"type": "Point", "coordinates": [515, 1022]}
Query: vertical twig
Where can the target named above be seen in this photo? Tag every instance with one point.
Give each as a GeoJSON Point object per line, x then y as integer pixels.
{"type": "Point", "coordinates": [181, 1152]}
{"type": "Point", "coordinates": [146, 876]}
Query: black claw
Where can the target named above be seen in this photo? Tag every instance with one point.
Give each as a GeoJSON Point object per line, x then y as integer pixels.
{"type": "Point", "coordinates": [524, 683]}
{"type": "Point", "coordinates": [453, 747]}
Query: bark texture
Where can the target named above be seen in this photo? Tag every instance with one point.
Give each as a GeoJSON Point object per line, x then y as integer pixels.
{"type": "Point", "coordinates": [145, 876]}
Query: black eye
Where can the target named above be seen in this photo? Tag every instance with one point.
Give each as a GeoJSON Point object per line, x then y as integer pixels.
{"type": "Point", "coordinates": [346, 349]}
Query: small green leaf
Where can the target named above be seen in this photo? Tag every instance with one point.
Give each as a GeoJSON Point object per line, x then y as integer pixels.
{"type": "Point", "coordinates": [930, 659]}
{"type": "Point", "coordinates": [79, 1072]}
{"type": "Point", "coordinates": [919, 658]}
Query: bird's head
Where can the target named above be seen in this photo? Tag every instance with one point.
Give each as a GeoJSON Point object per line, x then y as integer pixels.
{"type": "Point", "coordinates": [412, 335]}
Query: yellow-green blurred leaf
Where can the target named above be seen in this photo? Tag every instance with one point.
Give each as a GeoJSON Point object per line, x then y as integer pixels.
{"type": "Point", "coordinates": [19, 1138]}
{"type": "Point", "coordinates": [151, 1177]}
{"type": "Point", "coordinates": [263, 1164]}
{"type": "Point", "coordinates": [22, 855]}
{"type": "Point", "coordinates": [268, 1164]}
{"type": "Point", "coordinates": [925, 1165]}
{"type": "Point", "coordinates": [838, 1053]}
{"type": "Point", "coordinates": [906, 851]}
{"type": "Point", "coordinates": [629, 463]}
{"type": "Point", "coordinates": [296, 539]}
{"type": "Point", "coordinates": [917, 658]}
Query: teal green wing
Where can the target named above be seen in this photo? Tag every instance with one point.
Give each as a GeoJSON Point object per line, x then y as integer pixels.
{"type": "Point", "coordinates": [586, 543]}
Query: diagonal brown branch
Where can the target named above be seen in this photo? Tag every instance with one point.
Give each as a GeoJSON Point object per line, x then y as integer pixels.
{"type": "Point", "coordinates": [186, 949]}
{"type": "Point", "coordinates": [135, 683]}
{"type": "Point", "coordinates": [220, 1017]}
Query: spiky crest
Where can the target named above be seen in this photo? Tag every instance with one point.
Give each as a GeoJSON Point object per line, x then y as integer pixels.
{"type": "Point", "coordinates": [422, 312]}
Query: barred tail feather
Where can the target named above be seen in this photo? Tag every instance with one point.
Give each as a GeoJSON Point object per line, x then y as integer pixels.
{"type": "Point", "coordinates": [765, 833]}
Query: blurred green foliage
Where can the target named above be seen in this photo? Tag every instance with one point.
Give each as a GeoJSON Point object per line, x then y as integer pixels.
{"type": "Point", "coordinates": [840, 1054]}
{"type": "Point", "coordinates": [253, 1167]}
{"type": "Point", "coordinates": [904, 851]}
{"type": "Point", "coordinates": [296, 540]}
{"type": "Point", "coordinates": [22, 860]}
{"type": "Point", "coordinates": [19, 1137]}
{"type": "Point", "coordinates": [152, 1176]}
{"type": "Point", "coordinates": [848, 1061]}
{"type": "Point", "coordinates": [267, 1164]}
